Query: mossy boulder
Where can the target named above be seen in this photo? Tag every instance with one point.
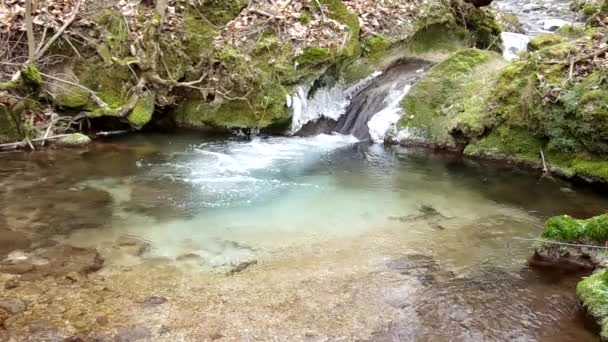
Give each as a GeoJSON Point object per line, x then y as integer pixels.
{"type": "Point", "coordinates": [568, 229]}
{"type": "Point", "coordinates": [74, 140]}
{"type": "Point", "coordinates": [593, 294]}
{"type": "Point", "coordinates": [545, 40]}
{"type": "Point", "coordinates": [446, 108]}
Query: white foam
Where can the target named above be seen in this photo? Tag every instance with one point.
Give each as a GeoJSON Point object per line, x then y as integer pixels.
{"type": "Point", "coordinates": [382, 122]}
{"type": "Point", "coordinates": [325, 103]}
{"type": "Point", "coordinates": [514, 44]}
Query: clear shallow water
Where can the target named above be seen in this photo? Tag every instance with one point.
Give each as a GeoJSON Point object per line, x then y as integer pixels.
{"type": "Point", "coordinates": [424, 242]}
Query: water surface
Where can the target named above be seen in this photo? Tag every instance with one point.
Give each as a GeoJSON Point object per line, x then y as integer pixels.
{"type": "Point", "coordinates": [352, 241]}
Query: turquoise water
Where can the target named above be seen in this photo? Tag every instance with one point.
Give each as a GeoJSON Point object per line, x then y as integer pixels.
{"type": "Point", "coordinates": [436, 236]}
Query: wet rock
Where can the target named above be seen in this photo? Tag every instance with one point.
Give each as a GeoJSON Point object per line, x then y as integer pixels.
{"type": "Point", "coordinates": [189, 257]}
{"type": "Point", "coordinates": [240, 267]}
{"type": "Point", "coordinates": [13, 305]}
{"type": "Point", "coordinates": [102, 320]}
{"type": "Point", "coordinates": [566, 262]}
{"type": "Point", "coordinates": [132, 334]}
{"type": "Point", "coordinates": [4, 315]}
{"type": "Point", "coordinates": [45, 331]}
{"type": "Point", "coordinates": [65, 259]}
{"type": "Point", "coordinates": [21, 267]}
{"type": "Point", "coordinates": [11, 241]}
{"type": "Point", "coordinates": [154, 301]}
{"type": "Point", "coordinates": [133, 245]}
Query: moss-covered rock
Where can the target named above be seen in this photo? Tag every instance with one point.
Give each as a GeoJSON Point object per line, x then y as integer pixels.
{"type": "Point", "coordinates": [568, 229]}
{"type": "Point", "coordinates": [545, 40]}
{"type": "Point", "coordinates": [446, 108]}
{"type": "Point", "coordinates": [593, 293]}
{"type": "Point", "coordinates": [74, 140]}
{"type": "Point", "coordinates": [9, 125]}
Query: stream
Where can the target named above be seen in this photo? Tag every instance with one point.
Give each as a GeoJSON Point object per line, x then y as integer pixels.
{"type": "Point", "coordinates": [324, 237]}
{"type": "Point", "coordinates": [312, 239]}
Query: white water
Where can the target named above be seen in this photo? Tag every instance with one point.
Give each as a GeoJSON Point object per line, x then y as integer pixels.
{"type": "Point", "coordinates": [328, 103]}
{"type": "Point", "coordinates": [381, 123]}
{"type": "Point", "coordinates": [514, 44]}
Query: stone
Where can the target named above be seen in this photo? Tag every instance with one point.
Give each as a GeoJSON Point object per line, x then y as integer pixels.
{"type": "Point", "coordinates": [4, 315]}
{"type": "Point", "coordinates": [242, 267]}
{"type": "Point", "coordinates": [133, 245]}
{"type": "Point", "coordinates": [19, 268]}
{"type": "Point", "coordinates": [74, 140]}
{"type": "Point", "coordinates": [553, 25]}
{"type": "Point", "coordinates": [102, 320]}
{"type": "Point", "coordinates": [11, 241]}
{"type": "Point", "coordinates": [11, 284]}
{"type": "Point", "coordinates": [154, 301]}
{"type": "Point", "coordinates": [132, 334]}
{"type": "Point", "coordinates": [13, 305]}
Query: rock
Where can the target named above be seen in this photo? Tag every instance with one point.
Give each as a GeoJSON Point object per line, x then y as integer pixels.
{"type": "Point", "coordinates": [13, 305]}
{"type": "Point", "coordinates": [242, 267]}
{"type": "Point", "coordinates": [154, 301]}
{"type": "Point", "coordinates": [65, 259]}
{"type": "Point", "coordinates": [133, 245]}
{"type": "Point", "coordinates": [11, 284]}
{"type": "Point", "coordinates": [11, 241]}
{"type": "Point", "coordinates": [74, 140]}
{"type": "Point", "coordinates": [553, 25]}
{"type": "Point", "coordinates": [102, 320]}
{"type": "Point", "coordinates": [132, 334]}
{"type": "Point", "coordinates": [4, 315]}
{"type": "Point", "coordinates": [21, 267]}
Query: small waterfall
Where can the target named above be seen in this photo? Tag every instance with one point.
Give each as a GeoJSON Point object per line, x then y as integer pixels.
{"type": "Point", "coordinates": [326, 103]}
{"type": "Point", "coordinates": [366, 110]}
{"type": "Point", "coordinates": [376, 108]}
{"type": "Point", "coordinates": [514, 44]}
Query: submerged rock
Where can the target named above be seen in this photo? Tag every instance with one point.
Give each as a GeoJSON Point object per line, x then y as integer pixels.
{"type": "Point", "coordinates": [58, 260]}
{"type": "Point", "coordinates": [13, 305]}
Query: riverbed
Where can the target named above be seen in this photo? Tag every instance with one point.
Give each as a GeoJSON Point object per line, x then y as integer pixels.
{"type": "Point", "coordinates": [289, 239]}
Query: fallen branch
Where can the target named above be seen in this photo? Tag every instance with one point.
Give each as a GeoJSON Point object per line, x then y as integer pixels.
{"type": "Point", "coordinates": [92, 94]}
{"type": "Point", "coordinates": [26, 142]}
{"type": "Point", "coordinates": [562, 243]}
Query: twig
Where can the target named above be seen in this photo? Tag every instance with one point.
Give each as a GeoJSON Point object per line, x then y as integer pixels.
{"type": "Point", "coordinates": [92, 94]}
{"type": "Point", "coordinates": [30, 141]}
{"type": "Point", "coordinates": [57, 34]}
{"type": "Point", "coordinates": [562, 243]}
{"type": "Point", "coordinates": [542, 156]}
{"type": "Point", "coordinates": [322, 12]}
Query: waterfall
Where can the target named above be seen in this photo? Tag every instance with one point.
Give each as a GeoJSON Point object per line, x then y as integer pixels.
{"type": "Point", "coordinates": [366, 110]}
{"type": "Point", "coordinates": [514, 44]}
{"type": "Point", "coordinates": [327, 103]}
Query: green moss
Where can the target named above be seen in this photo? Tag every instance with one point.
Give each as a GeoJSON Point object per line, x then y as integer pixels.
{"type": "Point", "coordinates": [482, 24]}
{"type": "Point", "coordinates": [440, 38]}
{"type": "Point", "coordinates": [545, 40]}
{"type": "Point", "coordinates": [507, 142]}
{"type": "Point", "coordinates": [593, 293]}
{"type": "Point", "coordinates": [31, 77]}
{"type": "Point", "coordinates": [314, 55]}
{"type": "Point", "coordinates": [74, 140]}
{"type": "Point", "coordinates": [567, 229]}
{"type": "Point", "coordinates": [304, 18]}
{"type": "Point", "coordinates": [571, 31]}
{"type": "Point", "coordinates": [448, 103]}
{"type": "Point", "coordinates": [72, 98]}
{"type": "Point", "coordinates": [594, 170]}
{"type": "Point", "coordinates": [143, 111]}
{"type": "Point", "coordinates": [376, 44]}
{"type": "Point", "coordinates": [9, 125]}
